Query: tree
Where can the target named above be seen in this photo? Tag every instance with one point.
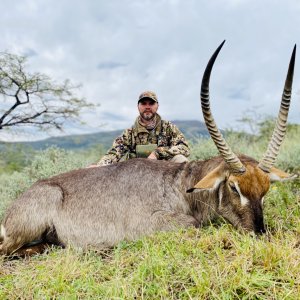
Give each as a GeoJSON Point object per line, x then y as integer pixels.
{"type": "Point", "coordinates": [34, 99]}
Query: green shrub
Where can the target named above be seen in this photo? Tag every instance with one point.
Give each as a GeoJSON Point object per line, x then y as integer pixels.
{"type": "Point", "coordinates": [255, 146]}
{"type": "Point", "coordinates": [14, 157]}
{"type": "Point", "coordinates": [45, 164]}
{"type": "Point", "coordinates": [53, 161]}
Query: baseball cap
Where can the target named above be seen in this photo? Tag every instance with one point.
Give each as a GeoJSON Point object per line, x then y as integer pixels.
{"type": "Point", "coordinates": [148, 94]}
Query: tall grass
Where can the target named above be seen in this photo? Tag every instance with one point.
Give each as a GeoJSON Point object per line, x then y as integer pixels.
{"type": "Point", "coordinates": [254, 146]}
{"type": "Point", "coordinates": [214, 262]}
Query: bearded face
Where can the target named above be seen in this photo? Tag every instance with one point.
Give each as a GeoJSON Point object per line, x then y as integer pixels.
{"type": "Point", "coordinates": [147, 109]}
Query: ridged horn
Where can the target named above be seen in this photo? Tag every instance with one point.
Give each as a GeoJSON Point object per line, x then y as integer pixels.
{"type": "Point", "coordinates": [230, 158]}
{"type": "Point", "coordinates": [270, 156]}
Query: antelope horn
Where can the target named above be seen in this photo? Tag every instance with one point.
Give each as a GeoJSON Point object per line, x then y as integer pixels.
{"type": "Point", "coordinates": [270, 155]}
{"type": "Point", "coordinates": [230, 158]}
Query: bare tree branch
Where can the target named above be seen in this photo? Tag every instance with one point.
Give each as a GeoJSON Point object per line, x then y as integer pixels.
{"type": "Point", "coordinates": [35, 99]}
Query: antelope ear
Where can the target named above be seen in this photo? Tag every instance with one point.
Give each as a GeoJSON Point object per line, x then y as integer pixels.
{"type": "Point", "coordinates": [278, 175]}
{"type": "Point", "coordinates": [211, 180]}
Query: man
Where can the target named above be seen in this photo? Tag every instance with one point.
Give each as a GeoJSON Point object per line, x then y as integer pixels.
{"type": "Point", "coordinates": [150, 137]}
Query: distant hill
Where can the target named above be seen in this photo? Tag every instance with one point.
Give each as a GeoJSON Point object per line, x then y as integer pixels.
{"type": "Point", "coordinates": [191, 129]}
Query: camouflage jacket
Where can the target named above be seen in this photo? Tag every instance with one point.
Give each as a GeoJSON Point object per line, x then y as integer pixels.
{"type": "Point", "coordinates": [170, 141]}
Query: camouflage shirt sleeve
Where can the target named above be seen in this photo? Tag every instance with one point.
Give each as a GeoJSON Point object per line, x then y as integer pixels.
{"type": "Point", "coordinates": [120, 147]}
{"type": "Point", "coordinates": [177, 143]}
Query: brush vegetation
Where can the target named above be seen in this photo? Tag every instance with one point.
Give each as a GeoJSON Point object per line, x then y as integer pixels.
{"type": "Point", "coordinates": [214, 262]}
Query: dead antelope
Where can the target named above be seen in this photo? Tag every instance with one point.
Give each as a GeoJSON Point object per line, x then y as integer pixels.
{"type": "Point", "coordinates": [99, 207]}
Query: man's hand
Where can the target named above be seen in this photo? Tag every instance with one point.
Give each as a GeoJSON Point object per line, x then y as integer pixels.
{"type": "Point", "coordinates": [152, 156]}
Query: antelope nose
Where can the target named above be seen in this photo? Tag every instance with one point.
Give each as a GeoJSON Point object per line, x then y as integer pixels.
{"type": "Point", "coordinates": [260, 229]}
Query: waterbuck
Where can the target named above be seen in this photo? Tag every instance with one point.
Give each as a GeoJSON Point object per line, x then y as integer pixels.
{"type": "Point", "coordinates": [99, 207]}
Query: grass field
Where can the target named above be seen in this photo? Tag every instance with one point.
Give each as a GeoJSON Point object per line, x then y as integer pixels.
{"type": "Point", "coordinates": [214, 262]}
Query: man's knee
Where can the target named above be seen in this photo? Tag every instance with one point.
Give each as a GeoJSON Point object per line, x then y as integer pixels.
{"type": "Point", "coordinates": [179, 158]}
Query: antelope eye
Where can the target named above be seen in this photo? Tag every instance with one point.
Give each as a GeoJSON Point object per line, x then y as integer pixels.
{"type": "Point", "coordinates": [233, 188]}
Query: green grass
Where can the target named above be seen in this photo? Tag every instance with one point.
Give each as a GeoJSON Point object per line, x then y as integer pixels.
{"type": "Point", "coordinates": [254, 146]}
{"type": "Point", "coordinates": [211, 263]}
{"type": "Point", "coordinates": [214, 262]}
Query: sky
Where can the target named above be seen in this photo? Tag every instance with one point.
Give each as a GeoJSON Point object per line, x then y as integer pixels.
{"type": "Point", "coordinates": [119, 48]}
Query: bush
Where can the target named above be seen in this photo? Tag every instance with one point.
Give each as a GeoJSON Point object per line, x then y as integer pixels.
{"type": "Point", "coordinates": [45, 164]}
{"type": "Point", "coordinates": [15, 157]}
{"type": "Point", "coordinates": [53, 161]}
{"type": "Point", "coordinates": [255, 146]}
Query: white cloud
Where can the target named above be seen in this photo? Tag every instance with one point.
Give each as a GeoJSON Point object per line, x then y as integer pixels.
{"type": "Point", "coordinates": [117, 49]}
